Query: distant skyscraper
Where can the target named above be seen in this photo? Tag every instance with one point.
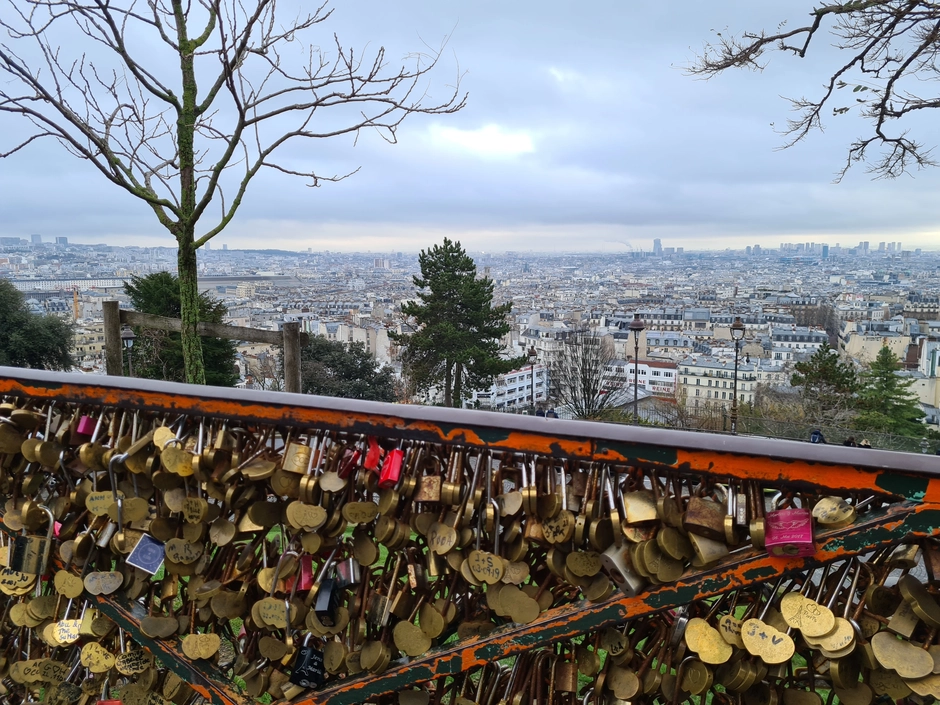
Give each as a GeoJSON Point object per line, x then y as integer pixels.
{"type": "Point", "coordinates": [61, 241]}
{"type": "Point", "coordinates": [825, 251]}
{"type": "Point", "coordinates": [657, 247]}
{"type": "Point", "coordinates": [36, 239]}
{"type": "Point", "coordinates": [881, 247]}
{"type": "Point", "coordinates": [225, 247]}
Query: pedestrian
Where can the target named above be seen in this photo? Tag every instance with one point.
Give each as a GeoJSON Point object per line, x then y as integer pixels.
{"type": "Point", "coordinates": [865, 443]}
{"type": "Point", "coordinates": [817, 437]}
{"type": "Point", "coordinates": [850, 441]}
{"type": "Point", "coordinates": [540, 412]}
{"type": "Point", "coordinates": [551, 414]}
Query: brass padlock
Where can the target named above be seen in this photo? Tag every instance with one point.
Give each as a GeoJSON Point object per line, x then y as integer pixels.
{"type": "Point", "coordinates": [29, 554]}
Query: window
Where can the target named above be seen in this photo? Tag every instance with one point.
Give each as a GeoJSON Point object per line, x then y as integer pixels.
{"type": "Point", "coordinates": [698, 382]}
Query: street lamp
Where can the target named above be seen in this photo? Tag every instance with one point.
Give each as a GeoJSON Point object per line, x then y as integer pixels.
{"type": "Point", "coordinates": [636, 327]}
{"type": "Point", "coordinates": [533, 358]}
{"type": "Point", "coordinates": [127, 338]}
{"type": "Point", "coordinates": [737, 335]}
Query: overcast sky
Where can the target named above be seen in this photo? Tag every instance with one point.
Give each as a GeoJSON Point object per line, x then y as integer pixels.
{"type": "Point", "coordinates": [581, 132]}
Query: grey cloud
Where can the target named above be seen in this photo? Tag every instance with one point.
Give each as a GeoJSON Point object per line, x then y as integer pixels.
{"type": "Point", "coordinates": [626, 142]}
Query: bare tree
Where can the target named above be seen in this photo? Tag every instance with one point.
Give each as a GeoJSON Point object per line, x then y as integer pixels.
{"type": "Point", "coordinates": [580, 376]}
{"type": "Point", "coordinates": [181, 103]}
{"type": "Point", "coordinates": [890, 48]}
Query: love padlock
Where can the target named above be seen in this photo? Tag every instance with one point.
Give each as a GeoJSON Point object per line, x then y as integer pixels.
{"type": "Point", "coordinates": [789, 532]}
{"type": "Point", "coordinates": [373, 455]}
{"type": "Point", "coordinates": [308, 669]}
{"type": "Point", "coordinates": [390, 473]}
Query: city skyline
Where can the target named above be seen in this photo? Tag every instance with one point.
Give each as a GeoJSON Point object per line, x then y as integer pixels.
{"type": "Point", "coordinates": [581, 124]}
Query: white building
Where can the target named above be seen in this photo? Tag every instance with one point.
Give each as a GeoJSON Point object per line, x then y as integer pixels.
{"type": "Point", "coordinates": [657, 377]}
{"type": "Point", "coordinates": [514, 390]}
{"type": "Point", "coordinates": [708, 381]}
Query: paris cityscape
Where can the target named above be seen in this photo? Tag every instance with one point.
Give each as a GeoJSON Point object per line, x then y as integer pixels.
{"type": "Point", "coordinates": [879, 295]}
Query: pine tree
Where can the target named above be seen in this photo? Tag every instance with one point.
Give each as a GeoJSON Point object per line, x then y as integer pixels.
{"type": "Point", "coordinates": [457, 344]}
{"type": "Point", "coordinates": [828, 385]}
{"type": "Point", "coordinates": [158, 354]}
{"type": "Point", "coordinates": [885, 401]}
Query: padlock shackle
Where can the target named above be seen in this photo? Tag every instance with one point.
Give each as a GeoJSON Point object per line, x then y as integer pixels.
{"type": "Point", "coordinates": [277, 569]}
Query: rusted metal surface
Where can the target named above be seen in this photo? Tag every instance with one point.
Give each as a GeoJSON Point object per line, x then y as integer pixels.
{"type": "Point", "coordinates": [912, 476]}
{"type": "Point", "coordinates": [746, 568]}
{"type": "Point", "coordinates": [203, 677]}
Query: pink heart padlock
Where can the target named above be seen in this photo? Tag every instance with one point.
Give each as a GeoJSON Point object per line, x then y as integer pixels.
{"type": "Point", "coordinates": [789, 532]}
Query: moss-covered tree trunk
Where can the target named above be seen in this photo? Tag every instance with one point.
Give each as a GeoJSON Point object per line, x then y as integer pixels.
{"type": "Point", "coordinates": [189, 312]}
{"type": "Point", "coordinates": [187, 268]}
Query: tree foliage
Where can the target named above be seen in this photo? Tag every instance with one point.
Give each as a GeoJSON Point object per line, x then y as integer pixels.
{"type": "Point", "coordinates": [329, 368]}
{"type": "Point", "coordinates": [457, 344]}
{"type": "Point", "coordinates": [182, 104]}
{"type": "Point", "coordinates": [28, 340]}
{"type": "Point", "coordinates": [885, 401]}
{"type": "Point", "coordinates": [827, 386]}
{"type": "Point", "coordinates": [579, 376]}
{"type": "Point", "coordinates": [159, 354]}
{"type": "Point", "coordinates": [886, 71]}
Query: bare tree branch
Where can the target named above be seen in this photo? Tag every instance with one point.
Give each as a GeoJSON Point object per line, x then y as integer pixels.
{"type": "Point", "coordinates": [891, 46]}
{"type": "Point", "coordinates": [183, 103]}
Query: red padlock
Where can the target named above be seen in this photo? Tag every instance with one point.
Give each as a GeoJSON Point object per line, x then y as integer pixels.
{"type": "Point", "coordinates": [349, 461]}
{"type": "Point", "coordinates": [391, 469]}
{"type": "Point", "coordinates": [373, 455]}
{"type": "Point", "coordinates": [306, 572]}
{"type": "Point", "coordinates": [789, 532]}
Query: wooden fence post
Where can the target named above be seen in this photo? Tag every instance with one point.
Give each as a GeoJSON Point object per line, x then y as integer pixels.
{"type": "Point", "coordinates": [291, 333]}
{"type": "Point", "coordinates": [113, 346]}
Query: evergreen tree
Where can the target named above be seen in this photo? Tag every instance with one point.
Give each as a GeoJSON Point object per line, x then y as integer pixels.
{"type": "Point", "coordinates": [457, 344]}
{"type": "Point", "coordinates": [329, 368]}
{"type": "Point", "coordinates": [159, 354]}
{"type": "Point", "coordinates": [827, 385]}
{"type": "Point", "coordinates": [885, 401]}
{"type": "Point", "coordinates": [28, 340]}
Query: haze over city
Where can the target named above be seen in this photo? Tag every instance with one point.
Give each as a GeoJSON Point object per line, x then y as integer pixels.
{"type": "Point", "coordinates": [582, 131]}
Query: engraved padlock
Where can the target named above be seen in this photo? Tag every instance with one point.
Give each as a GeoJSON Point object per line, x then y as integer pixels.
{"type": "Point", "coordinates": [616, 563]}
{"type": "Point", "coordinates": [307, 670]}
{"type": "Point", "coordinates": [789, 532]}
{"type": "Point", "coordinates": [29, 554]}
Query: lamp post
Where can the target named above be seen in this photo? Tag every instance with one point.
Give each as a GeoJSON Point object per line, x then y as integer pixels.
{"type": "Point", "coordinates": [127, 338]}
{"type": "Point", "coordinates": [737, 335]}
{"type": "Point", "coordinates": [636, 327]}
{"type": "Point", "coordinates": [533, 358]}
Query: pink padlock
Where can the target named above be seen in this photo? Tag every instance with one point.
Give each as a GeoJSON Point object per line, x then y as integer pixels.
{"type": "Point", "coordinates": [86, 425]}
{"type": "Point", "coordinates": [306, 572]}
{"type": "Point", "coordinates": [789, 532]}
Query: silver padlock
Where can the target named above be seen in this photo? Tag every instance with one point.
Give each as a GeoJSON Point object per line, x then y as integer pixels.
{"type": "Point", "coordinates": [29, 554]}
{"type": "Point", "coordinates": [616, 562]}
{"type": "Point", "coordinates": [349, 572]}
